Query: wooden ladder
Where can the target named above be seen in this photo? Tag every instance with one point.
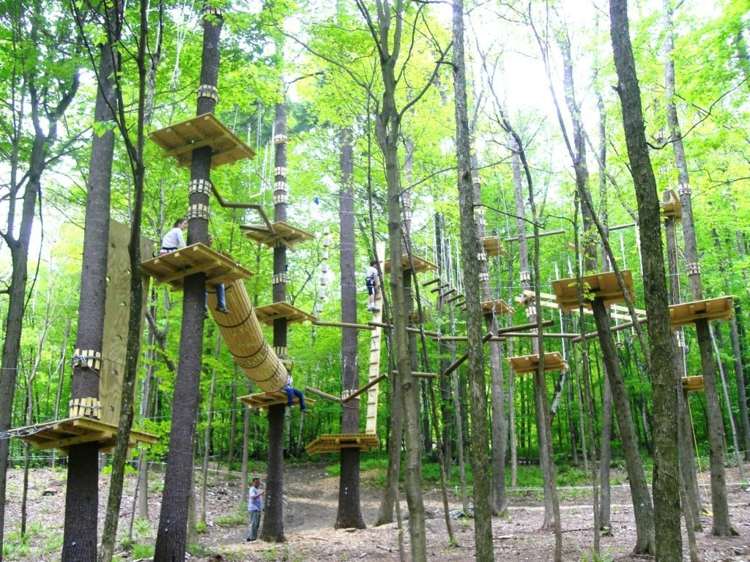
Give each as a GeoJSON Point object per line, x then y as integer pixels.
{"type": "Point", "coordinates": [376, 337]}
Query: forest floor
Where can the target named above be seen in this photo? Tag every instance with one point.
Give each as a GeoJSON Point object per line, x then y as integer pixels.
{"type": "Point", "coordinates": [312, 495]}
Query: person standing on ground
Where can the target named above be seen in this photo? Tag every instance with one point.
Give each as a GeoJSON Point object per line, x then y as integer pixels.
{"type": "Point", "coordinates": [254, 508]}
{"type": "Point", "coordinates": [371, 280]}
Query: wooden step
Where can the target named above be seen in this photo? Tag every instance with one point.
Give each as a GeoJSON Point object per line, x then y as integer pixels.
{"type": "Point", "coordinates": [334, 442]}
{"type": "Point", "coordinates": [270, 312]}
{"type": "Point", "coordinates": [523, 364]}
{"type": "Point", "coordinates": [280, 232]}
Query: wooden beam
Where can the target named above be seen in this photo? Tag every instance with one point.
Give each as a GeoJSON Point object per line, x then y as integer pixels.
{"type": "Point", "coordinates": [411, 329]}
{"type": "Point", "coordinates": [562, 335]}
{"type": "Point", "coordinates": [331, 324]}
{"type": "Point", "coordinates": [363, 389]}
{"type": "Point", "coordinates": [431, 282]}
{"type": "Point", "coordinates": [322, 394]}
{"type": "Point", "coordinates": [617, 328]}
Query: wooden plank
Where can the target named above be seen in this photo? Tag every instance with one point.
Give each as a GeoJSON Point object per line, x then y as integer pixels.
{"type": "Point", "coordinates": [331, 324]}
{"type": "Point", "coordinates": [365, 388]}
{"type": "Point", "coordinates": [116, 315]}
{"type": "Point", "coordinates": [324, 395]}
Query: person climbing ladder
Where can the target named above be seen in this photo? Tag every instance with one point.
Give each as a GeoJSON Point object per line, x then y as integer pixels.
{"type": "Point", "coordinates": [371, 280]}
{"type": "Point", "coordinates": [291, 392]}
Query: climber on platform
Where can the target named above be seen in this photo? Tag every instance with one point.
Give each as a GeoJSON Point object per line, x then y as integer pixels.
{"type": "Point", "coordinates": [291, 392]}
{"type": "Point", "coordinates": [174, 240]}
{"type": "Point", "coordinates": [371, 280]}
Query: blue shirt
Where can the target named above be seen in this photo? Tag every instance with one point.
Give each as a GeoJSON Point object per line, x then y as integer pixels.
{"type": "Point", "coordinates": [256, 500]}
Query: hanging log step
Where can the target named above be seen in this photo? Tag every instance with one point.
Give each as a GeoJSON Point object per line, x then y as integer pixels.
{"type": "Point", "coordinates": [493, 246]}
{"type": "Point", "coordinates": [65, 433]}
{"type": "Point", "coordinates": [670, 205]}
{"type": "Point", "coordinates": [334, 442]}
{"type": "Point", "coordinates": [530, 363]}
{"type": "Point", "coordinates": [280, 231]}
{"type": "Point", "coordinates": [497, 306]}
{"type": "Point", "coordinates": [270, 312]}
{"type": "Point", "coordinates": [693, 384]}
{"type": "Point", "coordinates": [173, 267]}
{"type": "Point", "coordinates": [263, 400]}
{"type": "Point", "coordinates": [719, 308]}
{"type": "Point", "coordinates": [431, 282]}
{"type": "Point", "coordinates": [602, 286]}
{"type": "Point", "coordinates": [420, 264]}
{"type": "Point", "coordinates": [179, 141]}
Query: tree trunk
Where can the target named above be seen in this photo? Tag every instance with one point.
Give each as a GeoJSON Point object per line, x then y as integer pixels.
{"type": "Point", "coordinates": [273, 522]}
{"type": "Point", "coordinates": [349, 510]}
{"type": "Point", "coordinates": [470, 248]}
{"type": "Point", "coordinates": [605, 459]}
{"type": "Point", "coordinates": [207, 432]}
{"type": "Point", "coordinates": [172, 535]}
{"type": "Point", "coordinates": [642, 507]}
{"type": "Point", "coordinates": [666, 469]}
{"type": "Point", "coordinates": [740, 381]}
{"type": "Point", "coordinates": [243, 468]}
{"type": "Point", "coordinates": [82, 491]}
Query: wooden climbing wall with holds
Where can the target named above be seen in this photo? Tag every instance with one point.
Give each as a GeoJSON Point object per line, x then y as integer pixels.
{"type": "Point", "coordinates": [116, 316]}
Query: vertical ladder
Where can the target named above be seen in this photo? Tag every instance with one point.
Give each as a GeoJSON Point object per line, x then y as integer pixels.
{"type": "Point", "coordinates": [371, 425]}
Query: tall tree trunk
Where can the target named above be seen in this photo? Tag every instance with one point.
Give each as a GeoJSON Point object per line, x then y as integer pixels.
{"type": "Point", "coordinates": [470, 248]}
{"type": "Point", "coordinates": [605, 459]}
{"type": "Point", "coordinates": [664, 379]}
{"type": "Point", "coordinates": [273, 522]}
{"type": "Point", "coordinates": [721, 523]}
{"type": "Point", "coordinates": [349, 510]}
{"type": "Point", "coordinates": [244, 455]}
{"type": "Point", "coordinates": [739, 374]}
{"type": "Point", "coordinates": [82, 490]}
{"type": "Point", "coordinates": [172, 534]}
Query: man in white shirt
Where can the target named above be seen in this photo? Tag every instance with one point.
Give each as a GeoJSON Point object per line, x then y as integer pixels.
{"type": "Point", "coordinates": [254, 508]}
{"type": "Point", "coordinates": [371, 280]}
{"type": "Point", "coordinates": [173, 240]}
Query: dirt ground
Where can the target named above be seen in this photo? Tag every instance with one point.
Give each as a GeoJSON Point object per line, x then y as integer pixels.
{"type": "Point", "coordinates": [311, 506]}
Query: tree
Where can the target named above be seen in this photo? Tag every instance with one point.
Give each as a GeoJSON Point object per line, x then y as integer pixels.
{"type": "Point", "coordinates": [474, 324]}
{"type": "Point", "coordinates": [41, 83]}
{"type": "Point", "coordinates": [172, 536]}
{"type": "Point", "coordinates": [664, 380]}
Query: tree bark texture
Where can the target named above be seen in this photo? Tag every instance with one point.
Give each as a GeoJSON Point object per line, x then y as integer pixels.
{"type": "Point", "coordinates": [349, 510]}
{"type": "Point", "coordinates": [642, 506]}
{"type": "Point", "coordinates": [470, 249]}
{"type": "Point", "coordinates": [171, 540]}
{"type": "Point", "coordinates": [721, 523]}
{"type": "Point", "coordinates": [81, 492]}
{"type": "Point", "coordinates": [273, 521]}
{"type": "Point", "coordinates": [666, 468]}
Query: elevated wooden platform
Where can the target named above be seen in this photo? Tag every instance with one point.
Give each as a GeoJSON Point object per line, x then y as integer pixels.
{"type": "Point", "coordinates": [497, 306]}
{"type": "Point", "coordinates": [693, 384]}
{"type": "Point", "coordinates": [179, 140]}
{"type": "Point", "coordinates": [522, 364]}
{"type": "Point", "coordinates": [270, 312]}
{"type": "Point", "coordinates": [334, 442]}
{"type": "Point", "coordinates": [670, 205]}
{"type": "Point", "coordinates": [420, 264]}
{"type": "Point", "coordinates": [282, 232]}
{"type": "Point", "coordinates": [65, 433]}
{"type": "Point", "coordinates": [173, 267]}
{"type": "Point", "coordinates": [602, 286]}
{"type": "Point", "coordinates": [263, 400]}
{"type": "Point", "coordinates": [493, 246]}
{"type": "Point", "coordinates": [719, 308]}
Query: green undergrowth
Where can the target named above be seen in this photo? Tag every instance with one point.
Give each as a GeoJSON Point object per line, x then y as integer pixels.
{"type": "Point", "coordinates": [235, 519]}
{"type": "Point", "coordinates": [373, 469]}
{"type": "Point", "coordinates": [38, 542]}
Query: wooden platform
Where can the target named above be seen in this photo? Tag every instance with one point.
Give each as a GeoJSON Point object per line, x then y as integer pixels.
{"type": "Point", "coordinates": [263, 400]}
{"type": "Point", "coordinates": [522, 364]}
{"type": "Point", "coordinates": [179, 140]}
{"type": "Point", "coordinates": [602, 286]}
{"type": "Point", "coordinates": [493, 246]}
{"type": "Point", "coordinates": [282, 232]}
{"type": "Point", "coordinates": [173, 267]}
{"type": "Point", "coordinates": [420, 264]}
{"type": "Point", "coordinates": [719, 308]}
{"type": "Point", "coordinates": [270, 312]}
{"type": "Point", "coordinates": [670, 205]}
{"type": "Point", "coordinates": [65, 433]}
{"type": "Point", "coordinates": [692, 384]}
{"type": "Point", "coordinates": [498, 306]}
{"type": "Point", "coordinates": [334, 442]}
